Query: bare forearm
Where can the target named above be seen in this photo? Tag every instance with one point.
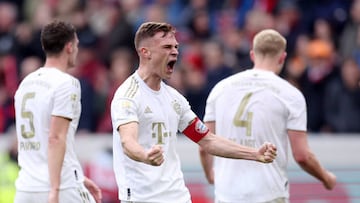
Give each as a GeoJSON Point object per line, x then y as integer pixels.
{"type": "Point", "coordinates": [206, 159]}
{"type": "Point", "coordinates": [129, 142]}
{"type": "Point", "coordinates": [222, 147]}
{"type": "Point", "coordinates": [56, 153]}
{"type": "Point", "coordinates": [131, 147]}
{"type": "Point", "coordinates": [153, 156]}
{"type": "Point", "coordinates": [134, 151]}
{"type": "Point", "coordinates": [207, 164]}
{"type": "Point", "coordinates": [307, 160]}
{"type": "Point", "coordinates": [312, 166]}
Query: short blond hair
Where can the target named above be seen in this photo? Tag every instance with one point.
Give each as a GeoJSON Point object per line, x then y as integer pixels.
{"type": "Point", "coordinates": [149, 29]}
{"type": "Point", "coordinates": [269, 42]}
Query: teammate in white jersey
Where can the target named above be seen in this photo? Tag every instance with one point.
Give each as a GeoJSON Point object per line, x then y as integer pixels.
{"type": "Point", "coordinates": [249, 108]}
{"type": "Point", "coordinates": [147, 115]}
{"type": "Point", "coordinates": [47, 106]}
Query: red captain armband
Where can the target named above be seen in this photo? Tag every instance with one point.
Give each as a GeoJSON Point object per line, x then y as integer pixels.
{"type": "Point", "coordinates": [196, 130]}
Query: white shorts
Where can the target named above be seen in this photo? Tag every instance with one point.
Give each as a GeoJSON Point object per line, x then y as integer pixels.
{"type": "Point", "coordinates": [278, 200]}
{"type": "Point", "coordinates": [122, 201]}
{"type": "Point", "coordinates": [69, 195]}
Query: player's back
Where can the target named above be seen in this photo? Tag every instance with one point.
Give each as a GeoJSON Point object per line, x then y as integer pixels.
{"type": "Point", "coordinates": [250, 108]}
{"type": "Point", "coordinates": [43, 93]}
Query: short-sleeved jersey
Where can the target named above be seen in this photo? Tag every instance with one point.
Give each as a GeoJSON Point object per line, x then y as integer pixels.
{"type": "Point", "coordinates": [250, 108]}
{"type": "Point", "coordinates": [44, 93]}
{"type": "Point", "coordinates": [160, 115]}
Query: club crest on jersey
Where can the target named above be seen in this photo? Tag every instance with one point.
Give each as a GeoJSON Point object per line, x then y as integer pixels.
{"type": "Point", "coordinates": [73, 97]}
{"type": "Point", "coordinates": [125, 104]}
{"type": "Point", "coordinates": [200, 127]}
{"type": "Point", "coordinates": [176, 107]}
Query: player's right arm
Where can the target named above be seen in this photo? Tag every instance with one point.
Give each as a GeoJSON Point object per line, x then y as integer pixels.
{"type": "Point", "coordinates": [129, 141]}
{"type": "Point", "coordinates": [56, 152]}
{"type": "Point", "coordinates": [307, 160]}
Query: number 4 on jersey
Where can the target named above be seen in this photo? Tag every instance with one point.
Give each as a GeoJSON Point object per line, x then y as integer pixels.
{"type": "Point", "coordinates": [240, 111]}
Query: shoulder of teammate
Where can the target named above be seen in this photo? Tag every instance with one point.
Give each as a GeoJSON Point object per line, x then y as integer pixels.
{"type": "Point", "coordinates": [68, 82]}
{"type": "Point", "coordinates": [293, 93]}
{"type": "Point", "coordinates": [219, 88]}
{"type": "Point", "coordinates": [27, 77]}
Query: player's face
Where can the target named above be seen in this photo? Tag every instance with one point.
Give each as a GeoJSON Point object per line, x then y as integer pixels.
{"type": "Point", "coordinates": [164, 54]}
{"type": "Point", "coordinates": [74, 52]}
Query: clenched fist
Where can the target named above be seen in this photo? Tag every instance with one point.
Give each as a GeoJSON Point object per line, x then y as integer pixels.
{"type": "Point", "coordinates": [267, 153]}
{"type": "Point", "coordinates": [155, 156]}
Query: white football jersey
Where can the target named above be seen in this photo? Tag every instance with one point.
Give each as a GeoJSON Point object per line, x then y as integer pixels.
{"type": "Point", "coordinates": [160, 115]}
{"type": "Point", "coordinates": [44, 93]}
{"type": "Point", "coordinates": [250, 108]}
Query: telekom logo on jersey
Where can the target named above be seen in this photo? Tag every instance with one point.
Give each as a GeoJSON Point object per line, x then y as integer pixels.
{"type": "Point", "coordinates": [159, 131]}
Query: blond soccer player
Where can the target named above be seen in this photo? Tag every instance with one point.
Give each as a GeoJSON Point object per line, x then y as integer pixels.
{"type": "Point", "coordinates": [250, 107]}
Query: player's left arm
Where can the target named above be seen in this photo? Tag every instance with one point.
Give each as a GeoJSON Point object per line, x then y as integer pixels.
{"type": "Point", "coordinates": [206, 158]}
{"type": "Point", "coordinates": [56, 153]}
{"type": "Point", "coordinates": [219, 146]}
{"type": "Point", "coordinates": [93, 189]}
{"type": "Point", "coordinates": [307, 160]}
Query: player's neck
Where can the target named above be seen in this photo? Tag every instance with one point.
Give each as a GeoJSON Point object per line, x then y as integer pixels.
{"type": "Point", "coordinates": [149, 78]}
{"type": "Point", "coordinates": [266, 65]}
{"type": "Point", "coordinates": [56, 62]}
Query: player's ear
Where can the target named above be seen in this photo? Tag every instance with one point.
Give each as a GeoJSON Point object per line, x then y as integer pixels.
{"type": "Point", "coordinates": [252, 55]}
{"type": "Point", "coordinates": [282, 58]}
{"type": "Point", "coordinates": [69, 47]}
{"type": "Point", "coordinates": [145, 52]}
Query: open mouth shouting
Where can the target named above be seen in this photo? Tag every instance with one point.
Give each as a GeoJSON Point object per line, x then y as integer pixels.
{"type": "Point", "coordinates": [170, 65]}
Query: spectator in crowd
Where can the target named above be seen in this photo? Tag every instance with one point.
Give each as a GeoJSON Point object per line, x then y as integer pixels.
{"type": "Point", "coordinates": [288, 22]}
{"type": "Point", "coordinates": [194, 77]}
{"type": "Point", "coordinates": [92, 73]}
{"type": "Point", "coordinates": [29, 65]}
{"type": "Point", "coordinates": [350, 33]}
{"type": "Point", "coordinates": [8, 83]}
{"type": "Point", "coordinates": [120, 31]}
{"type": "Point", "coordinates": [296, 63]}
{"type": "Point", "coordinates": [320, 70]}
{"type": "Point", "coordinates": [342, 101]}
{"type": "Point", "coordinates": [121, 67]}
{"type": "Point", "coordinates": [323, 31]}
{"type": "Point", "coordinates": [8, 15]}
{"type": "Point", "coordinates": [231, 23]}
{"type": "Point", "coordinates": [214, 62]}
{"type": "Point", "coordinates": [197, 16]}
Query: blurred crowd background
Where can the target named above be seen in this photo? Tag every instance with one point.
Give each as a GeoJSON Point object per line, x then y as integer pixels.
{"type": "Point", "coordinates": [215, 39]}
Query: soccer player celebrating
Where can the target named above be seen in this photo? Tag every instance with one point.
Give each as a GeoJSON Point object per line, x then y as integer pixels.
{"type": "Point", "coordinates": [147, 115]}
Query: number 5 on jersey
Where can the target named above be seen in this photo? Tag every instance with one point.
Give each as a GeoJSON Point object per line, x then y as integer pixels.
{"type": "Point", "coordinates": [27, 115]}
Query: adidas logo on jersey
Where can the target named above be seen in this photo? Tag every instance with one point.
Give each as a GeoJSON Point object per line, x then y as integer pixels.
{"type": "Point", "coordinates": [147, 110]}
